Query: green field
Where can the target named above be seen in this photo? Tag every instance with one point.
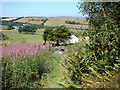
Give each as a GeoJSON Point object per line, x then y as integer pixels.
{"type": "Point", "coordinates": [3, 27]}
{"type": "Point", "coordinates": [76, 26]}
{"type": "Point", "coordinates": [56, 21]}
{"type": "Point", "coordinates": [15, 37]}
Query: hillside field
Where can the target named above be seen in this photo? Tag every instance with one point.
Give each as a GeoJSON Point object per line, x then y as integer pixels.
{"type": "Point", "coordinates": [32, 20]}
{"type": "Point", "coordinates": [56, 21]}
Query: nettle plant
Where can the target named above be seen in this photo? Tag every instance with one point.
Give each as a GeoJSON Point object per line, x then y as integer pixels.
{"type": "Point", "coordinates": [102, 51]}
{"type": "Point", "coordinates": [103, 46]}
{"type": "Point", "coordinates": [100, 61]}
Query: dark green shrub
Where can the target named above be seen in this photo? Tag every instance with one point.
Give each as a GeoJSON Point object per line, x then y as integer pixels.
{"type": "Point", "coordinates": [3, 37]}
{"type": "Point", "coordinates": [28, 29]}
{"type": "Point", "coordinates": [103, 48]}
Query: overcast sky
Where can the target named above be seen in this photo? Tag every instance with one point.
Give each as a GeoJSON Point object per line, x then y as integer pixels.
{"type": "Point", "coordinates": [47, 8]}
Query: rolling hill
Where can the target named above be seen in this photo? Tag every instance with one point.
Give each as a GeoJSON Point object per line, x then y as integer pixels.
{"type": "Point", "coordinates": [55, 21]}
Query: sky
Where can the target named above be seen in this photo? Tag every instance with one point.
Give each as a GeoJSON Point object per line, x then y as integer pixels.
{"type": "Point", "coordinates": [48, 8]}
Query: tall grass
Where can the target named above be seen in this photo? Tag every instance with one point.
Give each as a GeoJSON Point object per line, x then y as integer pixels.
{"type": "Point", "coordinates": [24, 64]}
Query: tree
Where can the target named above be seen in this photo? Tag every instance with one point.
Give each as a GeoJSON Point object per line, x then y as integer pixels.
{"type": "Point", "coordinates": [28, 29]}
{"type": "Point", "coordinates": [59, 35]}
{"type": "Point", "coordinates": [32, 29]}
{"type": "Point", "coordinates": [10, 26]}
{"type": "Point", "coordinates": [98, 11]}
{"type": "Point", "coordinates": [20, 30]}
{"type": "Point", "coordinates": [47, 34]}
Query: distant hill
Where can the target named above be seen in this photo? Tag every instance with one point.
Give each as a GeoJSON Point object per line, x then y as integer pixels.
{"type": "Point", "coordinates": [55, 21]}
{"type": "Point", "coordinates": [32, 20]}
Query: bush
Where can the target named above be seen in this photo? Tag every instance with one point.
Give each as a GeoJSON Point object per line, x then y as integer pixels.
{"type": "Point", "coordinates": [3, 37]}
{"type": "Point", "coordinates": [103, 47]}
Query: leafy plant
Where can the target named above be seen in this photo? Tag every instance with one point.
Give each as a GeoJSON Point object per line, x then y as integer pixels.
{"type": "Point", "coordinates": [103, 47]}
{"type": "Point", "coordinates": [100, 64]}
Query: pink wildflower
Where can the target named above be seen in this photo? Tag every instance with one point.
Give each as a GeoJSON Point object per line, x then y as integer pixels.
{"type": "Point", "coordinates": [24, 56]}
{"type": "Point", "coordinates": [32, 53]}
{"type": "Point", "coordinates": [22, 61]}
{"type": "Point", "coordinates": [25, 60]}
{"type": "Point", "coordinates": [20, 54]}
{"type": "Point", "coordinates": [38, 54]}
{"type": "Point", "coordinates": [35, 51]}
{"type": "Point", "coordinates": [0, 56]}
{"type": "Point", "coordinates": [2, 68]}
{"type": "Point", "coordinates": [16, 54]}
{"type": "Point", "coordinates": [11, 59]}
{"type": "Point", "coordinates": [88, 82]}
{"type": "Point", "coordinates": [63, 57]}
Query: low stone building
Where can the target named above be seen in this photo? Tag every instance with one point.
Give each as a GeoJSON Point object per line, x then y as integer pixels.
{"type": "Point", "coordinates": [73, 39]}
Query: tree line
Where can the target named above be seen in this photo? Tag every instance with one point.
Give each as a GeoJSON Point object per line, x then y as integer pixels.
{"type": "Point", "coordinates": [27, 29]}
{"type": "Point", "coordinates": [73, 22]}
{"type": "Point", "coordinates": [4, 17]}
{"type": "Point", "coordinates": [16, 19]}
{"type": "Point", "coordinates": [44, 21]}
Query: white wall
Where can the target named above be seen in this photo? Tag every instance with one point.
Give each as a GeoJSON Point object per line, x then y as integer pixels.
{"type": "Point", "coordinates": [73, 39]}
